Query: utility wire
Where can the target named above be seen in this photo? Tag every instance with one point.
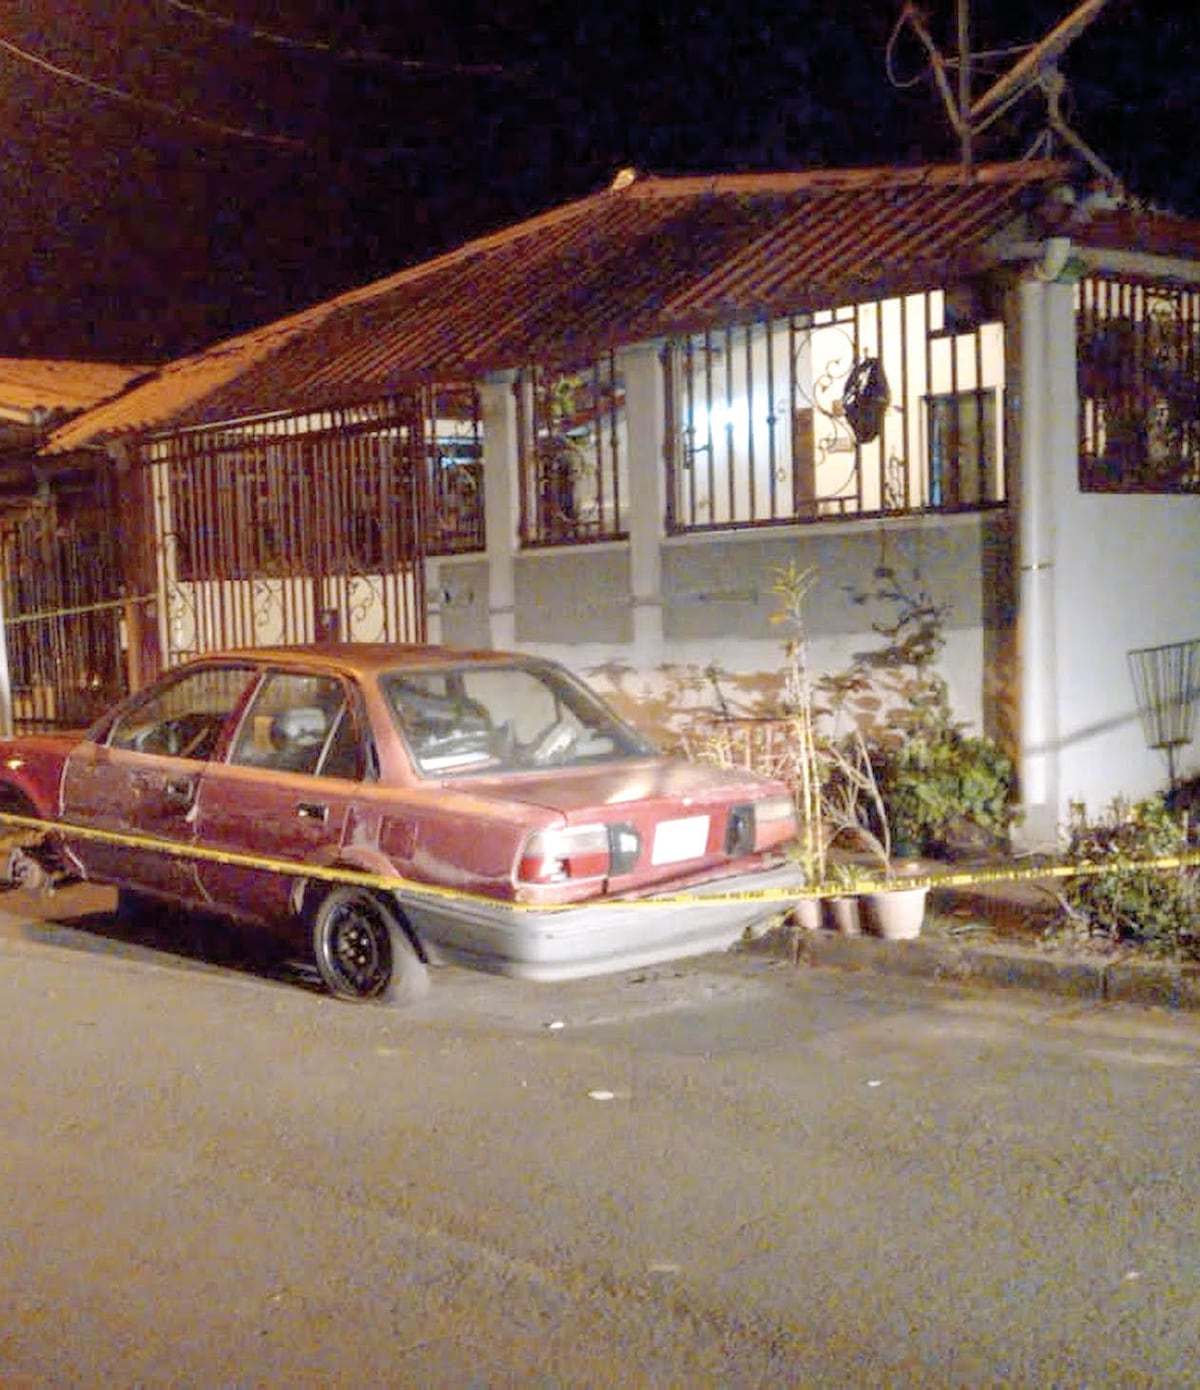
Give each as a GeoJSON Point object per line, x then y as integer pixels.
{"type": "Point", "coordinates": [161, 107]}
{"type": "Point", "coordinates": [350, 55]}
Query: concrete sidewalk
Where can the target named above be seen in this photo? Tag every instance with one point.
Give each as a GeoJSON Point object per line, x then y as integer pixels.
{"type": "Point", "coordinates": [991, 934]}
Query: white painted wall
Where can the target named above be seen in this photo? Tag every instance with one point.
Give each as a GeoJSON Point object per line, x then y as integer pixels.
{"type": "Point", "coordinates": [1101, 575]}
{"type": "Point", "coordinates": [1128, 577]}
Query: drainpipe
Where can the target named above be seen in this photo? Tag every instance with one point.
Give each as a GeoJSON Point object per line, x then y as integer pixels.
{"type": "Point", "coordinates": [645, 502]}
{"type": "Point", "coordinates": [1047, 444]}
{"type": "Point", "coordinates": [501, 499]}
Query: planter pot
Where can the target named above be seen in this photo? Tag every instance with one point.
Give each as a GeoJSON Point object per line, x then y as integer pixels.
{"type": "Point", "coordinates": [842, 914]}
{"type": "Point", "coordinates": [807, 914]}
{"type": "Point", "coordinates": [896, 915]}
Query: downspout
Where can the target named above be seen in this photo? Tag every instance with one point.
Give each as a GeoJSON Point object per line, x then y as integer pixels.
{"type": "Point", "coordinates": [1042, 417]}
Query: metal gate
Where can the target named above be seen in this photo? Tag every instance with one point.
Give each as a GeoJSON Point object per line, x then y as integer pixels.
{"type": "Point", "coordinates": [64, 609]}
{"type": "Point", "coordinates": [295, 530]}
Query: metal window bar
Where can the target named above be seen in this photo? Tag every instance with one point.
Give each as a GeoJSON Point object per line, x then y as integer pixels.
{"type": "Point", "coordinates": [671, 436]}
{"type": "Point", "coordinates": [570, 430]}
{"type": "Point", "coordinates": [455, 482]}
{"type": "Point", "coordinates": [754, 441]}
{"type": "Point", "coordinates": [63, 605]}
{"type": "Point", "coordinates": [291, 529]}
{"type": "Point", "coordinates": [1139, 380]}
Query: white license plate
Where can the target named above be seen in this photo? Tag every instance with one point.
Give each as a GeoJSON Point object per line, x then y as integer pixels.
{"type": "Point", "coordinates": [676, 840]}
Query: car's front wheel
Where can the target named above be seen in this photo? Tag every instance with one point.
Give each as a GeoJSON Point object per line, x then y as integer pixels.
{"type": "Point", "coordinates": [363, 952]}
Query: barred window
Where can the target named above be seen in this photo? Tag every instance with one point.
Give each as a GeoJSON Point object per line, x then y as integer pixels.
{"type": "Point", "coordinates": [962, 448]}
{"type": "Point", "coordinates": [303, 496]}
{"type": "Point", "coordinates": [1139, 386]}
{"type": "Point", "coordinates": [865, 410]}
{"type": "Point", "coordinates": [454, 434]}
{"type": "Point", "coordinates": [573, 453]}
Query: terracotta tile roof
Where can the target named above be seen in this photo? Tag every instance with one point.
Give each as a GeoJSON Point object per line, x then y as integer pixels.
{"type": "Point", "coordinates": [642, 259]}
{"type": "Point", "coordinates": [31, 384]}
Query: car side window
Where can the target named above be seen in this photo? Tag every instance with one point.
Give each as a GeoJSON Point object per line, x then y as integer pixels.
{"type": "Point", "coordinates": [183, 717]}
{"type": "Point", "coordinates": [300, 722]}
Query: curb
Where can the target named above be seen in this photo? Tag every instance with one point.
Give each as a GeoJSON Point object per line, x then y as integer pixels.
{"type": "Point", "coordinates": [1155, 983]}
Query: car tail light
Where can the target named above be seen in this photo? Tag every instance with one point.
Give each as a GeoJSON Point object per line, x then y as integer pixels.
{"type": "Point", "coordinates": [579, 852]}
{"type": "Point", "coordinates": [774, 821]}
{"type": "Point", "coordinates": [759, 825]}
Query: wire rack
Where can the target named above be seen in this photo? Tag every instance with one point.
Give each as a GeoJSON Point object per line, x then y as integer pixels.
{"type": "Point", "coordinates": [1166, 681]}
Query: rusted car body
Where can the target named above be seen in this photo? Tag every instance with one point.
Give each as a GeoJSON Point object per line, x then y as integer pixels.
{"type": "Point", "coordinates": [519, 824]}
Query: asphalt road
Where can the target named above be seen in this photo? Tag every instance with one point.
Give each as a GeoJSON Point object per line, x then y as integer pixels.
{"type": "Point", "coordinates": [726, 1173]}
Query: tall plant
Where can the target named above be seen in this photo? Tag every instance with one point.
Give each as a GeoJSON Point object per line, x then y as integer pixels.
{"type": "Point", "coordinates": [792, 586]}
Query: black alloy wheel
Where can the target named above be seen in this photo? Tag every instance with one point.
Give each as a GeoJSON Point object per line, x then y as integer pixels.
{"type": "Point", "coordinates": [362, 951]}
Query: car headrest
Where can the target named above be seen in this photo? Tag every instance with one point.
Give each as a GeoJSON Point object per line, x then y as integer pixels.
{"type": "Point", "coordinates": [303, 727]}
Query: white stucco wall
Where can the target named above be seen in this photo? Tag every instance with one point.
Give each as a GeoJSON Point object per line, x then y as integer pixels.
{"type": "Point", "coordinates": [1100, 575]}
{"type": "Point", "coordinates": [1128, 577]}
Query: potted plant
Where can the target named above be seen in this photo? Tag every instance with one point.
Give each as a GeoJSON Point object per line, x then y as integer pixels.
{"type": "Point", "coordinates": [856, 816]}
{"type": "Point", "coordinates": [843, 815]}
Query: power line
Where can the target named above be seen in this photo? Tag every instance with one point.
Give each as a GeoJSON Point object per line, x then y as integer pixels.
{"type": "Point", "coordinates": [148, 103]}
{"type": "Point", "coordinates": [328, 50]}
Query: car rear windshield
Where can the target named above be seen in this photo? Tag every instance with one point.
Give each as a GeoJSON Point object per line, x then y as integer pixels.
{"type": "Point", "coordinates": [490, 719]}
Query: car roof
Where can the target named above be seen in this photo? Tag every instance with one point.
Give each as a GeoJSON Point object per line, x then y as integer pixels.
{"type": "Point", "coordinates": [364, 657]}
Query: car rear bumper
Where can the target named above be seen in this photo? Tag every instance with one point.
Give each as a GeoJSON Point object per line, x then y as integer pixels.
{"type": "Point", "coordinates": [604, 936]}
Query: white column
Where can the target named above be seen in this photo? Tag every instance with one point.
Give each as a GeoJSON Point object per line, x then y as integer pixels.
{"type": "Point", "coordinates": [1049, 463]}
{"type": "Point", "coordinates": [501, 498]}
{"type": "Point", "coordinates": [646, 497]}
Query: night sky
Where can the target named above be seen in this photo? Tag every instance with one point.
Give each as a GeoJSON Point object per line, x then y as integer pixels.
{"type": "Point", "coordinates": [279, 151]}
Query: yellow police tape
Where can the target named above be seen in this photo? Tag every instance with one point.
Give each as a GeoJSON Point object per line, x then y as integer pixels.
{"type": "Point", "coordinates": [845, 884]}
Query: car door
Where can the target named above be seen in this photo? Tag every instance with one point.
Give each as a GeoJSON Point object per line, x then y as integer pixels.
{"type": "Point", "coordinates": [285, 790]}
{"type": "Point", "coordinates": [140, 780]}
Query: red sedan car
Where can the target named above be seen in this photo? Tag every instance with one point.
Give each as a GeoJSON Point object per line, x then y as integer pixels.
{"type": "Point", "coordinates": [515, 822]}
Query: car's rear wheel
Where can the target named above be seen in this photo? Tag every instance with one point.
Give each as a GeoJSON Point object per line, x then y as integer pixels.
{"type": "Point", "coordinates": [363, 952]}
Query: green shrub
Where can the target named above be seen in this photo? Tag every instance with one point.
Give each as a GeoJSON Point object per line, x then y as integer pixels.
{"type": "Point", "coordinates": [1155, 909]}
{"type": "Point", "coordinates": [947, 792]}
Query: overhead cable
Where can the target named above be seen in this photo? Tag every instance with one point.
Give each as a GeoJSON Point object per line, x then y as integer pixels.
{"type": "Point", "coordinates": [163, 108]}
{"type": "Point", "coordinates": [350, 55]}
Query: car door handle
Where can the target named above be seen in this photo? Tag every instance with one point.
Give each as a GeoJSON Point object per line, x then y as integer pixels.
{"type": "Point", "coordinates": [179, 791]}
{"type": "Point", "coordinates": [312, 810]}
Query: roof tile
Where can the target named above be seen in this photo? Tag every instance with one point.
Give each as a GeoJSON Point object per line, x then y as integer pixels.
{"type": "Point", "coordinates": [652, 257]}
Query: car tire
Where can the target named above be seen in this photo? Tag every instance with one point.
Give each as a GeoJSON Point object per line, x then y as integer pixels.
{"type": "Point", "coordinates": [363, 952]}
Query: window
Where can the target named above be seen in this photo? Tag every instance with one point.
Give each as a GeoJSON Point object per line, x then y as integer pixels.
{"type": "Point", "coordinates": [185, 718]}
{"type": "Point", "coordinates": [498, 719]}
{"type": "Point", "coordinates": [572, 454]}
{"type": "Point", "coordinates": [454, 432]}
{"type": "Point", "coordinates": [868, 409]}
{"type": "Point", "coordinates": [962, 449]}
{"type": "Point", "coordinates": [339, 493]}
{"type": "Point", "coordinates": [1139, 386]}
{"type": "Point", "coordinates": [299, 722]}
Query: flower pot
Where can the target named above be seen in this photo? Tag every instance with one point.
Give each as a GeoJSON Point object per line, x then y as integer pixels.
{"type": "Point", "coordinates": [841, 914]}
{"type": "Point", "coordinates": [897, 914]}
{"type": "Point", "coordinates": [807, 914]}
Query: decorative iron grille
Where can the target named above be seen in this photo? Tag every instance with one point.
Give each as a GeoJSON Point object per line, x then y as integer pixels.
{"type": "Point", "coordinates": [572, 454]}
{"type": "Point", "coordinates": [454, 435]}
{"type": "Point", "coordinates": [63, 607]}
{"type": "Point", "coordinates": [1139, 386]}
{"type": "Point", "coordinates": [302, 528]}
{"type": "Point", "coordinates": [883, 407]}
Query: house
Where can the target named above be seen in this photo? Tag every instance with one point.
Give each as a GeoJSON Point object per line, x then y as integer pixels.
{"type": "Point", "coordinates": [600, 433]}
{"type": "Point", "coordinates": [58, 552]}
